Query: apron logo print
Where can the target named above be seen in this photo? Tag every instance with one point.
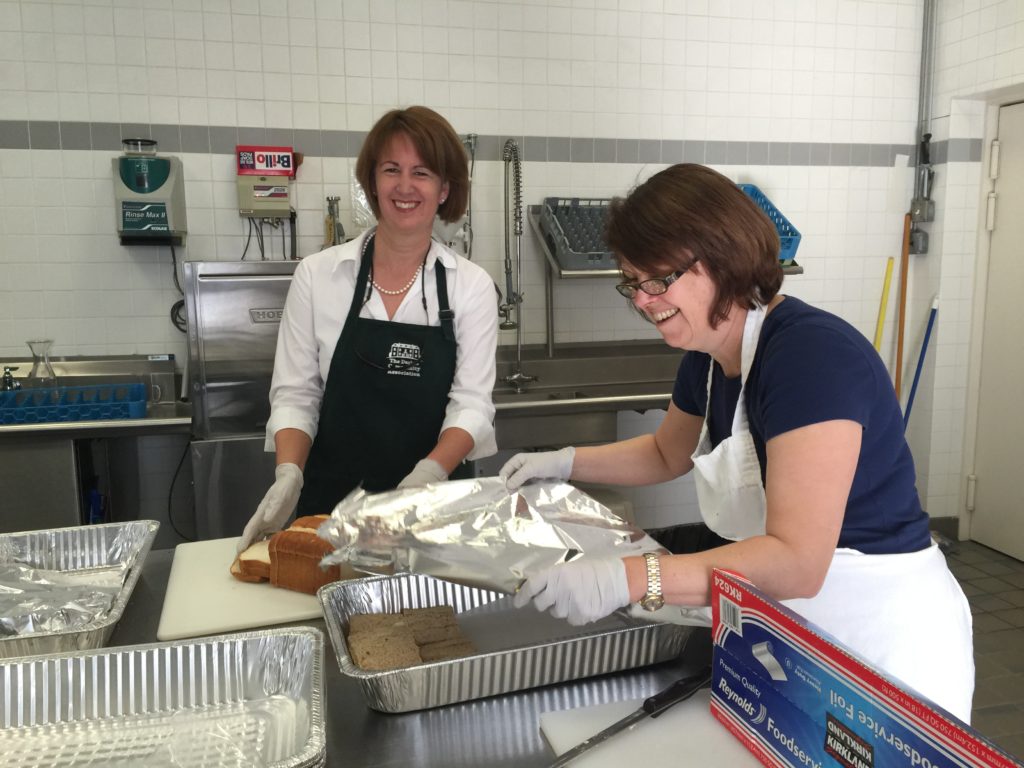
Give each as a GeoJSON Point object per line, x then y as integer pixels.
{"type": "Point", "coordinates": [404, 360]}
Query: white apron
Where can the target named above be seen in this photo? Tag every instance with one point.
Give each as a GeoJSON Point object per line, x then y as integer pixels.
{"type": "Point", "coordinates": [904, 613]}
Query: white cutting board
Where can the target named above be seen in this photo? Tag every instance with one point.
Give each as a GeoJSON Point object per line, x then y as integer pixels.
{"type": "Point", "coordinates": [203, 598]}
{"type": "Point", "coordinates": [687, 734]}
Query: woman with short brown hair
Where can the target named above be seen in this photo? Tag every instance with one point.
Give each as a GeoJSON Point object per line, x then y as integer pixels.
{"type": "Point", "coordinates": [786, 417]}
{"type": "Point", "coordinates": [385, 356]}
{"type": "Point", "coordinates": [437, 145]}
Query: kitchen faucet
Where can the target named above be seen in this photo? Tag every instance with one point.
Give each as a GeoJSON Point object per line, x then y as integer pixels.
{"type": "Point", "coordinates": [513, 294]}
{"type": "Point", "coordinates": [8, 383]}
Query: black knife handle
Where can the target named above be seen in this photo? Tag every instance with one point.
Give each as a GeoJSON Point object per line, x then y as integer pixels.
{"type": "Point", "coordinates": [680, 690]}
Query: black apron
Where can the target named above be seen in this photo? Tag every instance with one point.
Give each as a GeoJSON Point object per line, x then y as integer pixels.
{"type": "Point", "coordinates": [384, 401]}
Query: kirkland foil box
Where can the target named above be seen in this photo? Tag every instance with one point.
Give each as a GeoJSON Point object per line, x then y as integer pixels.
{"type": "Point", "coordinates": [795, 697]}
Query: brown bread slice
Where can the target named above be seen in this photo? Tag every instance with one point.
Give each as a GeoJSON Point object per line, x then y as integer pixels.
{"type": "Point", "coordinates": [446, 649]}
{"type": "Point", "coordinates": [253, 564]}
{"type": "Point", "coordinates": [425, 635]}
{"type": "Point", "coordinates": [390, 648]}
{"type": "Point", "coordinates": [434, 616]}
{"type": "Point", "coordinates": [295, 561]}
{"type": "Point", "coordinates": [370, 622]}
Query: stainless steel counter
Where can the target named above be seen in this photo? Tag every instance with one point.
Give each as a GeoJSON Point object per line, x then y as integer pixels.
{"type": "Point", "coordinates": [160, 418]}
{"type": "Point", "coordinates": [501, 731]}
{"type": "Point", "coordinates": [164, 414]}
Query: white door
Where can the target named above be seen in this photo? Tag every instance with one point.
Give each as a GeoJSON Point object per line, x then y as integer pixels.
{"type": "Point", "coordinates": [998, 519]}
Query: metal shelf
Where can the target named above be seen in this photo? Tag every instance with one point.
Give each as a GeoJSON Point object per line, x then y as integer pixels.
{"type": "Point", "coordinates": [546, 246]}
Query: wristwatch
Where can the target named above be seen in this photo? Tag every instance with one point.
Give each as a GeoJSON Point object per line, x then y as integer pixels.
{"type": "Point", "coordinates": [653, 600]}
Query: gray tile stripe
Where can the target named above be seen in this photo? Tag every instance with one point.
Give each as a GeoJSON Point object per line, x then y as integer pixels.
{"type": "Point", "coordinates": [41, 134]}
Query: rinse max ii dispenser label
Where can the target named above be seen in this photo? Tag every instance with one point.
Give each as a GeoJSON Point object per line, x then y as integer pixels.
{"type": "Point", "coordinates": [149, 195]}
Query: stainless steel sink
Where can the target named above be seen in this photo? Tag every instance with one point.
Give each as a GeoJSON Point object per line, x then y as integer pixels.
{"type": "Point", "coordinates": [578, 393]}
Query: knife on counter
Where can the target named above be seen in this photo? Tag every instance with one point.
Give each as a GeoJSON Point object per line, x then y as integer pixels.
{"type": "Point", "coordinates": [680, 690]}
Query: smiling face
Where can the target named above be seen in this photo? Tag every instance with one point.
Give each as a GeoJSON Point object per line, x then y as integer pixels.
{"type": "Point", "coordinates": [680, 313]}
{"type": "Point", "coordinates": [408, 192]}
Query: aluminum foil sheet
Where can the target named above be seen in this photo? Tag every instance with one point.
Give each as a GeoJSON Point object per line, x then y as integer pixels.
{"type": "Point", "coordinates": [516, 650]}
{"type": "Point", "coordinates": [65, 589]}
{"type": "Point", "coordinates": [476, 532]}
{"type": "Point", "coordinates": [252, 699]}
{"type": "Point", "coordinates": [34, 600]}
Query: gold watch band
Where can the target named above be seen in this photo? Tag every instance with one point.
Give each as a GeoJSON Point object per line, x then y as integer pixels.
{"type": "Point", "coordinates": [654, 599]}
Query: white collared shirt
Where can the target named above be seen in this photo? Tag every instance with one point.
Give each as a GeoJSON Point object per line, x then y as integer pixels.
{"type": "Point", "coordinates": [314, 314]}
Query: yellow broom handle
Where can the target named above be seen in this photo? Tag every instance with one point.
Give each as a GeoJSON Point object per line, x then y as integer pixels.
{"type": "Point", "coordinates": [882, 306]}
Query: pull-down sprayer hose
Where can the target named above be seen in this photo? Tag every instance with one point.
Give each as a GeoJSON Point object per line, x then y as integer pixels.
{"type": "Point", "coordinates": [513, 298]}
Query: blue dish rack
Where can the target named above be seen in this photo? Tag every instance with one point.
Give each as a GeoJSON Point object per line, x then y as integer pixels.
{"type": "Point", "coordinates": [789, 237]}
{"type": "Point", "coordinates": [97, 402]}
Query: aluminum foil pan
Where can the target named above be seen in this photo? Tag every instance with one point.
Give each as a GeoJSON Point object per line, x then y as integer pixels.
{"type": "Point", "coordinates": [72, 550]}
{"type": "Point", "coordinates": [517, 648]}
{"type": "Point", "coordinates": [250, 699]}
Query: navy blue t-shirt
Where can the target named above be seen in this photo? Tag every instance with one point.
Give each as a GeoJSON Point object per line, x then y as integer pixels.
{"type": "Point", "coordinates": [811, 366]}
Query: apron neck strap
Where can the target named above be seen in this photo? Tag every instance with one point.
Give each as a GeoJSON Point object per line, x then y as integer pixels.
{"type": "Point", "coordinates": [444, 312]}
{"type": "Point", "coordinates": [362, 280]}
{"type": "Point", "coordinates": [751, 333]}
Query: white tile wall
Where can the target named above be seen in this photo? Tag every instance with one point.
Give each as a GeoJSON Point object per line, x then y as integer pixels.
{"type": "Point", "coordinates": [810, 70]}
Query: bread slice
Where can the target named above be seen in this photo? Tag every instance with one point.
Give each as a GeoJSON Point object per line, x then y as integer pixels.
{"type": "Point", "coordinates": [446, 649]}
{"type": "Point", "coordinates": [427, 635]}
{"type": "Point", "coordinates": [295, 561]}
{"type": "Point", "coordinates": [253, 564]}
{"type": "Point", "coordinates": [382, 640]}
{"type": "Point", "coordinates": [434, 616]}
{"type": "Point", "coordinates": [308, 523]}
{"type": "Point", "coordinates": [389, 648]}
{"type": "Point", "coordinates": [369, 622]}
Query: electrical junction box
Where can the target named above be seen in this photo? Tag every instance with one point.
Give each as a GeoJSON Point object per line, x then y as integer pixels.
{"type": "Point", "coordinates": [149, 196]}
{"type": "Point", "coordinates": [264, 176]}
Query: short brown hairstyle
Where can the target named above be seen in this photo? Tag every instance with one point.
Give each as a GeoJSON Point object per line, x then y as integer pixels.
{"type": "Point", "coordinates": [436, 142]}
{"type": "Point", "coordinates": [689, 213]}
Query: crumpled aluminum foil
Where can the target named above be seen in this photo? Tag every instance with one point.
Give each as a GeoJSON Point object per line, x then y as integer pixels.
{"type": "Point", "coordinates": [476, 532]}
{"type": "Point", "coordinates": [35, 600]}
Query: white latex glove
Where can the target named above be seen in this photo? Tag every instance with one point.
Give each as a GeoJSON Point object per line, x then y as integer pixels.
{"type": "Point", "coordinates": [582, 591]}
{"type": "Point", "coordinates": [426, 471]}
{"type": "Point", "coordinates": [529, 466]}
{"type": "Point", "coordinates": [277, 506]}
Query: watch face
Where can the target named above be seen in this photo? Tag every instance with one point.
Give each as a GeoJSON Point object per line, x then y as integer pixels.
{"type": "Point", "coordinates": [652, 602]}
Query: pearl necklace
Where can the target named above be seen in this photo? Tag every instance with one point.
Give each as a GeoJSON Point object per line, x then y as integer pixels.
{"type": "Point", "coordinates": [401, 290]}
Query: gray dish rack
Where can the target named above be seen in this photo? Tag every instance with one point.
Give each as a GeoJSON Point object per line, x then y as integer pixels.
{"type": "Point", "coordinates": [574, 227]}
{"type": "Point", "coordinates": [571, 234]}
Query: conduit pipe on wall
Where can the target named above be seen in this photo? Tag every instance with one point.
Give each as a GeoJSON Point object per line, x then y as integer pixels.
{"type": "Point", "coordinates": [922, 209]}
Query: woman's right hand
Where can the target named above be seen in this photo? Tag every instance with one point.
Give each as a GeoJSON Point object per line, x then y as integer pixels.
{"type": "Point", "coordinates": [545, 464]}
{"type": "Point", "coordinates": [277, 506]}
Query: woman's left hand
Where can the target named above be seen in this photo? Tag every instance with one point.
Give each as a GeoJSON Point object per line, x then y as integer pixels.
{"type": "Point", "coordinates": [582, 591]}
{"type": "Point", "coordinates": [426, 471]}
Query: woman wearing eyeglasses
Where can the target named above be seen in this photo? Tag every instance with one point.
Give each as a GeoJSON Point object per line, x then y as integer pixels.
{"type": "Point", "coordinates": [787, 419]}
{"type": "Point", "coordinates": [385, 358]}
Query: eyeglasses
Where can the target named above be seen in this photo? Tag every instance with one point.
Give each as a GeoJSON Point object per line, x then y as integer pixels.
{"type": "Point", "coordinates": [654, 286]}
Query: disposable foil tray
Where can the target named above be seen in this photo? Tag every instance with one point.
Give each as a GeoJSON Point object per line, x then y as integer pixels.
{"type": "Point", "coordinates": [614, 644]}
{"type": "Point", "coordinates": [77, 549]}
{"type": "Point", "coordinates": [252, 699]}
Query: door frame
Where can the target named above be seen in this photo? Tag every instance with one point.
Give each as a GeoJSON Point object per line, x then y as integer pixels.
{"type": "Point", "coordinates": [994, 102]}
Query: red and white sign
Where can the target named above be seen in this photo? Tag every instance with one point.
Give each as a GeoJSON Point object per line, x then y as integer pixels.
{"type": "Point", "coordinates": [265, 161]}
